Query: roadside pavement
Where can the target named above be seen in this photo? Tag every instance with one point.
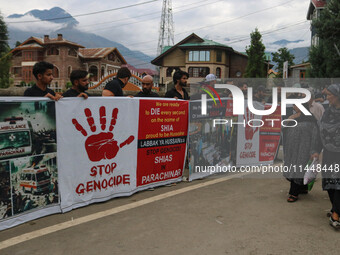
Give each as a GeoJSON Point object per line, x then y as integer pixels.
{"type": "Point", "coordinates": [242, 215]}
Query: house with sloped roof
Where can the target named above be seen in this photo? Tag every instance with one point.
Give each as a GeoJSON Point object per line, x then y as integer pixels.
{"type": "Point", "coordinates": [200, 57]}
{"type": "Point", "coordinates": [314, 10]}
{"type": "Point", "coordinates": [65, 56]}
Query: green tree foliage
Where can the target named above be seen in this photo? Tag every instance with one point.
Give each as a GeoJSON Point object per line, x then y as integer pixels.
{"type": "Point", "coordinates": [282, 55]}
{"type": "Point", "coordinates": [4, 55]}
{"type": "Point", "coordinates": [324, 58]}
{"type": "Point", "coordinates": [256, 67]}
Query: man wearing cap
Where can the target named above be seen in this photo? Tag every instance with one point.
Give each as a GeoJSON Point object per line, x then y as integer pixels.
{"type": "Point", "coordinates": [147, 84]}
{"type": "Point", "coordinates": [210, 79]}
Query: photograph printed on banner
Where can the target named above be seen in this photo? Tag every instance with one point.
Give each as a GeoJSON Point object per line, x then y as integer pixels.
{"type": "Point", "coordinates": [5, 191]}
{"type": "Point", "coordinates": [27, 128]}
{"type": "Point", "coordinates": [209, 145]}
{"type": "Point", "coordinates": [34, 182]}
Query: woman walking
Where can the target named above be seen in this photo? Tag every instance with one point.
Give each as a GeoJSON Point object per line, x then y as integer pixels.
{"type": "Point", "coordinates": [298, 142]}
{"type": "Point", "coordinates": [330, 139]}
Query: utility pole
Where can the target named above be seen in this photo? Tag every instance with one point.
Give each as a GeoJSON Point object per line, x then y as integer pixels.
{"type": "Point", "coordinates": [166, 30]}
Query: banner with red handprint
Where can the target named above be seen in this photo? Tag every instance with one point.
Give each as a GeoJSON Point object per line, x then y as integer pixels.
{"type": "Point", "coordinates": [248, 137]}
{"type": "Point", "coordinates": [97, 149]}
{"type": "Point", "coordinates": [258, 137]}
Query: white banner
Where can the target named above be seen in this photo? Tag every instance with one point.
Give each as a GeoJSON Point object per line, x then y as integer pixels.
{"type": "Point", "coordinates": [97, 149]}
{"type": "Point", "coordinates": [248, 137]}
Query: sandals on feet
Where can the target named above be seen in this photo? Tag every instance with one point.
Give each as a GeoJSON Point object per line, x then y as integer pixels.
{"type": "Point", "coordinates": [292, 199]}
{"type": "Point", "coordinates": [334, 223]}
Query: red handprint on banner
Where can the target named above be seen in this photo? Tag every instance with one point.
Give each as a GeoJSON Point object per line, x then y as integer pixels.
{"type": "Point", "coordinates": [249, 131]}
{"type": "Point", "coordinates": [101, 146]}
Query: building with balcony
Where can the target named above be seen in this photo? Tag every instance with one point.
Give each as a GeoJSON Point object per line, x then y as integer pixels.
{"type": "Point", "coordinates": [65, 56]}
{"type": "Point", "coordinates": [199, 57]}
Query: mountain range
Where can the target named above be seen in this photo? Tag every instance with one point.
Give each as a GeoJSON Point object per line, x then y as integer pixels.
{"type": "Point", "coordinates": [71, 33]}
{"type": "Point", "coordinates": [90, 40]}
{"type": "Point", "coordinates": [284, 42]}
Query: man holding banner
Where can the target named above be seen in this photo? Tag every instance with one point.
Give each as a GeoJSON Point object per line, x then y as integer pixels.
{"type": "Point", "coordinates": [42, 71]}
{"type": "Point", "coordinates": [80, 83]}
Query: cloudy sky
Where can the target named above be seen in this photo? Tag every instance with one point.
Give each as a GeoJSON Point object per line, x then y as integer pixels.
{"type": "Point", "coordinates": [137, 27]}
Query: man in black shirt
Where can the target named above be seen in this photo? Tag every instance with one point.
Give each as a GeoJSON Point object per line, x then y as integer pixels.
{"type": "Point", "coordinates": [80, 83]}
{"type": "Point", "coordinates": [147, 84]}
{"type": "Point", "coordinates": [115, 87]}
{"type": "Point", "coordinates": [180, 79]}
{"type": "Point", "coordinates": [42, 71]}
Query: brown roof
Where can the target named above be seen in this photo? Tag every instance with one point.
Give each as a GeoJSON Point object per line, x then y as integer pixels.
{"type": "Point", "coordinates": [62, 41]}
{"type": "Point", "coordinates": [318, 4]}
{"type": "Point", "coordinates": [35, 42]}
{"type": "Point", "coordinates": [131, 87]}
{"type": "Point", "coordinates": [95, 53]}
{"type": "Point", "coordinates": [147, 71]}
{"type": "Point", "coordinates": [29, 46]}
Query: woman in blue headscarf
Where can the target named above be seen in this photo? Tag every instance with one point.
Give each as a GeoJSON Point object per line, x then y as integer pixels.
{"type": "Point", "coordinates": [330, 140]}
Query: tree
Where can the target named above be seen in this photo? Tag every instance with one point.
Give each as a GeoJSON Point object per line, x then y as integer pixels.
{"type": "Point", "coordinates": [256, 67]}
{"type": "Point", "coordinates": [282, 55]}
{"type": "Point", "coordinates": [17, 44]}
{"type": "Point", "coordinates": [4, 55]}
{"type": "Point", "coordinates": [325, 58]}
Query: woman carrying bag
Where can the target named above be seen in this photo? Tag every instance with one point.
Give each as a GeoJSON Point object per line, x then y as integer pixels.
{"type": "Point", "coordinates": [330, 139]}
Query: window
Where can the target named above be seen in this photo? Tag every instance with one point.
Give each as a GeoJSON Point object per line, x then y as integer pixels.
{"type": "Point", "coordinates": [111, 57]}
{"type": "Point", "coordinates": [53, 51]}
{"type": "Point", "coordinates": [27, 73]}
{"type": "Point", "coordinates": [55, 72]}
{"type": "Point", "coordinates": [69, 70]}
{"type": "Point", "coordinates": [28, 56]}
{"type": "Point", "coordinates": [102, 72]}
{"type": "Point", "coordinates": [199, 56]}
{"type": "Point", "coordinates": [218, 72]}
{"type": "Point", "coordinates": [302, 74]}
{"type": "Point", "coordinates": [219, 56]}
{"type": "Point", "coordinates": [198, 72]}
{"type": "Point", "coordinates": [72, 52]}
{"type": "Point", "coordinates": [93, 70]}
{"type": "Point", "coordinates": [16, 71]}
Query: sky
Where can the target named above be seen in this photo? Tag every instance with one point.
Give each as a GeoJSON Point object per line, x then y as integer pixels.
{"type": "Point", "coordinates": [227, 21]}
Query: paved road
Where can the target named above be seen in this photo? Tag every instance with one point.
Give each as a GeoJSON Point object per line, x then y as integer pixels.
{"type": "Point", "coordinates": [211, 216]}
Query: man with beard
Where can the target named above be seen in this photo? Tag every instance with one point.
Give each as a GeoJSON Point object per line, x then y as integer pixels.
{"type": "Point", "coordinates": [147, 84]}
{"type": "Point", "coordinates": [43, 72]}
{"type": "Point", "coordinates": [260, 95]}
{"type": "Point", "coordinates": [80, 83]}
{"type": "Point", "coordinates": [180, 79]}
{"type": "Point", "coordinates": [115, 87]}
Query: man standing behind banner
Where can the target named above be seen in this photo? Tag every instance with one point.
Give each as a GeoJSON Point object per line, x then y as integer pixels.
{"type": "Point", "coordinates": [180, 80]}
{"type": "Point", "coordinates": [115, 87]}
{"type": "Point", "coordinates": [147, 84]}
{"type": "Point", "coordinates": [80, 83]}
{"type": "Point", "coordinates": [42, 71]}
